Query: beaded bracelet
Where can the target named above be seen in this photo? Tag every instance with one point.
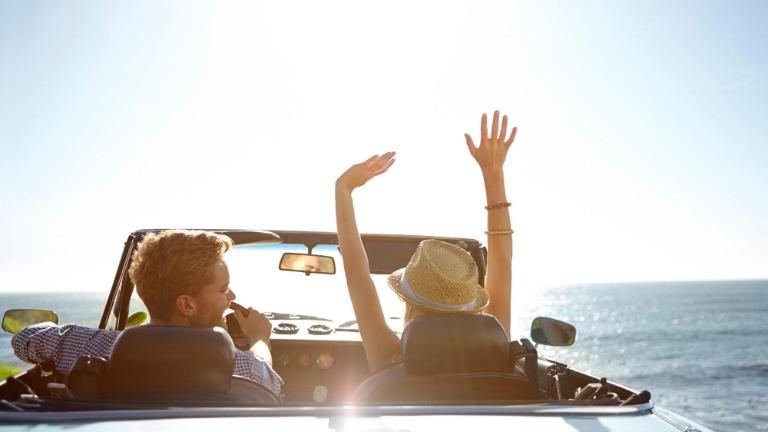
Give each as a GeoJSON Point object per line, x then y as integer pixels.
{"type": "Point", "coordinates": [500, 232]}
{"type": "Point", "coordinates": [498, 206]}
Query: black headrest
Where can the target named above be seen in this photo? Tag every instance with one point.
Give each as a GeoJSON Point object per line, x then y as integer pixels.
{"type": "Point", "coordinates": [458, 343]}
{"type": "Point", "coordinates": [154, 360]}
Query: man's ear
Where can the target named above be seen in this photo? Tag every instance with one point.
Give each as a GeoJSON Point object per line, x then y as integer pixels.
{"type": "Point", "coordinates": [186, 305]}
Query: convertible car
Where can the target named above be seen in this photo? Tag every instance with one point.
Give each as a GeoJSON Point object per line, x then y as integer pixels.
{"type": "Point", "coordinates": [458, 372]}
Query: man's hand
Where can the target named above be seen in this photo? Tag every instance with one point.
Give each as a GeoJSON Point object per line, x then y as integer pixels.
{"type": "Point", "coordinates": [492, 152]}
{"type": "Point", "coordinates": [359, 174]}
{"type": "Point", "coordinates": [255, 326]}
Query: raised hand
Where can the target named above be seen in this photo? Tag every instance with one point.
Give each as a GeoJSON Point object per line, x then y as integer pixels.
{"type": "Point", "coordinates": [490, 155]}
{"type": "Point", "coordinates": [492, 152]}
{"type": "Point", "coordinates": [359, 174]}
{"type": "Point", "coordinates": [379, 341]}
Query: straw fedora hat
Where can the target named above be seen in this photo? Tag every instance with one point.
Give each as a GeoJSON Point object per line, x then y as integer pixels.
{"type": "Point", "coordinates": [440, 277]}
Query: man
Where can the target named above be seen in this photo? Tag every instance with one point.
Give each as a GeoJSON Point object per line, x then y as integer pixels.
{"type": "Point", "coordinates": [182, 278]}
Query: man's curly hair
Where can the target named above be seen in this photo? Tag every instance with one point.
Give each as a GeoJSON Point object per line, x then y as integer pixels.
{"type": "Point", "coordinates": [171, 263]}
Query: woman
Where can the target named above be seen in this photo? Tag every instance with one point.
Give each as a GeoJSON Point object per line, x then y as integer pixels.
{"type": "Point", "coordinates": [439, 277]}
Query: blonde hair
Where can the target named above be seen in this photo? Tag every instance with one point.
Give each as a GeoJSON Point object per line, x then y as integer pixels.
{"type": "Point", "coordinates": [171, 263]}
{"type": "Point", "coordinates": [412, 311]}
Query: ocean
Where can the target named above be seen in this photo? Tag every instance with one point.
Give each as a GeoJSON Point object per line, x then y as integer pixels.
{"type": "Point", "coordinates": [700, 348]}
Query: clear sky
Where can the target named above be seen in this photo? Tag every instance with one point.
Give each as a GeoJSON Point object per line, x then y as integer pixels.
{"type": "Point", "coordinates": [642, 151]}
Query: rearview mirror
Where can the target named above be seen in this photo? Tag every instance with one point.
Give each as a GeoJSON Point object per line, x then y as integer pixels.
{"type": "Point", "coordinates": [552, 332]}
{"type": "Point", "coordinates": [15, 320]}
{"type": "Point", "coordinates": [306, 263]}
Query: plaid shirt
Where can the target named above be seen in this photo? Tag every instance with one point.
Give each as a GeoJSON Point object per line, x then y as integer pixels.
{"type": "Point", "coordinates": [65, 344]}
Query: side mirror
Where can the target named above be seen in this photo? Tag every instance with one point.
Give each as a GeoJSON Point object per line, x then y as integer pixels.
{"type": "Point", "coordinates": [15, 320]}
{"type": "Point", "coordinates": [307, 264]}
{"type": "Point", "coordinates": [552, 332]}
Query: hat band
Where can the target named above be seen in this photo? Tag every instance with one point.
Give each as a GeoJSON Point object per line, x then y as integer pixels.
{"type": "Point", "coordinates": [410, 292]}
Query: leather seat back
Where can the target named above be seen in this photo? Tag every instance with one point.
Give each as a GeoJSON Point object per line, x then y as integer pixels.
{"type": "Point", "coordinates": [458, 343]}
{"type": "Point", "coordinates": [158, 361]}
{"type": "Point", "coordinates": [180, 365]}
{"type": "Point", "coordinates": [449, 359]}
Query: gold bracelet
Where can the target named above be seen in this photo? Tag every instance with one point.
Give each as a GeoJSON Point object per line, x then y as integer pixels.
{"type": "Point", "coordinates": [500, 232]}
{"type": "Point", "coordinates": [498, 206]}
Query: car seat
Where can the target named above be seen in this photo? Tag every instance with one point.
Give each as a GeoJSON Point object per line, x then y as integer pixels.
{"type": "Point", "coordinates": [456, 358]}
{"type": "Point", "coordinates": [169, 364]}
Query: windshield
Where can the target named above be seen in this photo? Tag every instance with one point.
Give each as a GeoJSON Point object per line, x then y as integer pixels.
{"type": "Point", "coordinates": [257, 281]}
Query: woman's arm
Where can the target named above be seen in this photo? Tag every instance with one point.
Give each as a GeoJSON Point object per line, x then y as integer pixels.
{"type": "Point", "coordinates": [381, 344]}
{"type": "Point", "coordinates": [490, 155]}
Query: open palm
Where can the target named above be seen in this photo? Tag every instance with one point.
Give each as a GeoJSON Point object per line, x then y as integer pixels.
{"type": "Point", "coordinates": [359, 174]}
{"type": "Point", "coordinates": [493, 148]}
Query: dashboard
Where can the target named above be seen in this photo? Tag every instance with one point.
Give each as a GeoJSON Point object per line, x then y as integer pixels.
{"type": "Point", "coordinates": [318, 366]}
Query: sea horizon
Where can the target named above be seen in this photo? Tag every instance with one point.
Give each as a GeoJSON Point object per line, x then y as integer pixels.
{"type": "Point", "coordinates": [565, 285]}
